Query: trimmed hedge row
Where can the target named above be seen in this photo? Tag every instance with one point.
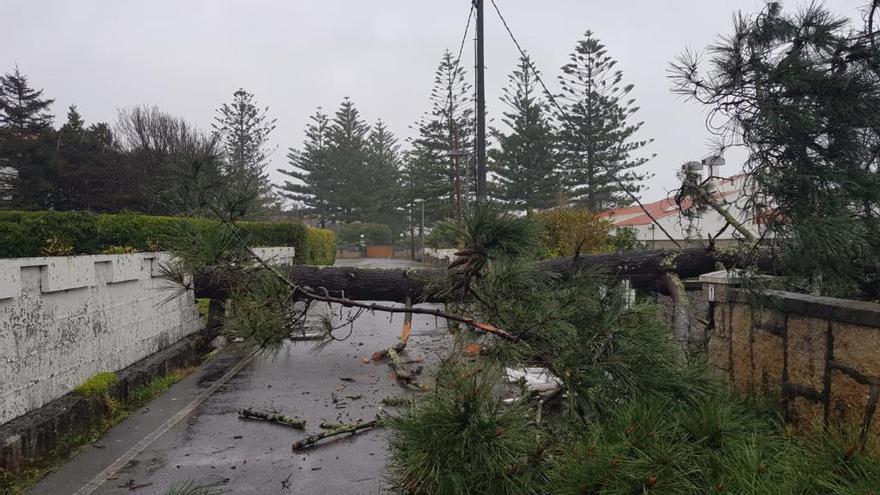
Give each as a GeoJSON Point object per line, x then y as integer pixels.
{"type": "Point", "coordinates": [40, 233]}
{"type": "Point", "coordinates": [319, 247]}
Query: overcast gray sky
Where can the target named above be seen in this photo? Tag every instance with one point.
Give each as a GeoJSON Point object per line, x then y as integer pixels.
{"type": "Point", "coordinates": [188, 56]}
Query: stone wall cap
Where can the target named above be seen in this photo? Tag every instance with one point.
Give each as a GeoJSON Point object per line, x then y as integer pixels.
{"type": "Point", "coordinates": [722, 277]}
{"type": "Point", "coordinates": [862, 313]}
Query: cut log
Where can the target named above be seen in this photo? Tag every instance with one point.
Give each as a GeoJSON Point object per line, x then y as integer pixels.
{"type": "Point", "coordinates": [646, 270]}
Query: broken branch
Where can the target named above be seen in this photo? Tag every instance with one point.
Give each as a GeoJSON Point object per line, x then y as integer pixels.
{"type": "Point", "coordinates": [341, 429]}
{"type": "Point", "coordinates": [279, 419]}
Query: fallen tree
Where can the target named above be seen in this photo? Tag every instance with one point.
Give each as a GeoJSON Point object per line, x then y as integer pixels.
{"type": "Point", "coordinates": [646, 270]}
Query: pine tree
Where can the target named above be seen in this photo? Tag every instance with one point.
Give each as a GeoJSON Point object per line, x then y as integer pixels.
{"type": "Point", "coordinates": [432, 174]}
{"type": "Point", "coordinates": [25, 143]}
{"type": "Point", "coordinates": [347, 156]}
{"type": "Point", "coordinates": [314, 182]}
{"type": "Point", "coordinates": [384, 175]}
{"type": "Point", "coordinates": [244, 129]}
{"type": "Point", "coordinates": [88, 169]}
{"type": "Point", "coordinates": [596, 129]}
{"type": "Point", "coordinates": [525, 162]}
{"type": "Point", "coordinates": [23, 110]}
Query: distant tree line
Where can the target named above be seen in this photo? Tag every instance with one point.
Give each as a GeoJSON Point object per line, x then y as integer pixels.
{"type": "Point", "coordinates": [581, 150]}
{"type": "Point", "coordinates": [140, 164]}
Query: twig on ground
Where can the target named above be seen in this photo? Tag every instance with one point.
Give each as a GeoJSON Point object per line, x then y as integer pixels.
{"type": "Point", "coordinates": [400, 370]}
{"type": "Point", "coordinates": [273, 418]}
{"type": "Point", "coordinates": [340, 429]}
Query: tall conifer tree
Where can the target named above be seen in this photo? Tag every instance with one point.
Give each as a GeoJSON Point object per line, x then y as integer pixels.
{"type": "Point", "coordinates": [384, 181]}
{"type": "Point", "coordinates": [313, 180]}
{"type": "Point", "coordinates": [524, 164]}
{"type": "Point", "coordinates": [244, 129]}
{"type": "Point", "coordinates": [431, 172]}
{"type": "Point", "coordinates": [347, 155]}
{"type": "Point", "coordinates": [597, 132]}
{"type": "Point", "coordinates": [25, 143]}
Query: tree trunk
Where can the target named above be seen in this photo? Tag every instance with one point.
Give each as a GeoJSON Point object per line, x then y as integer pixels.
{"type": "Point", "coordinates": [646, 270]}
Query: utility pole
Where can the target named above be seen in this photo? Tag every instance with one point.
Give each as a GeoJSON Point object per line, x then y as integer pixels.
{"type": "Point", "coordinates": [481, 107]}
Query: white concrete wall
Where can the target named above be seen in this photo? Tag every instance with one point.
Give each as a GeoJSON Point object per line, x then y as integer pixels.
{"type": "Point", "coordinates": [442, 253]}
{"type": "Point", "coordinates": [65, 319]}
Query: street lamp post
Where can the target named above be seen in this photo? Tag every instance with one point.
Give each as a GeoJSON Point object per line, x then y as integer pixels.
{"type": "Point", "coordinates": [421, 228]}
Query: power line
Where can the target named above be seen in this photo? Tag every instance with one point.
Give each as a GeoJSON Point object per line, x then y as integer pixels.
{"type": "Point", "coordinates": [566, 121]}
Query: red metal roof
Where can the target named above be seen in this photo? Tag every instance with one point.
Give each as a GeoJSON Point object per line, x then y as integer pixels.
{"type": "Point", "coordinates": [634, 215]}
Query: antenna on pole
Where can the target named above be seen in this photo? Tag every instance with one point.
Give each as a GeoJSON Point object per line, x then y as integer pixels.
{"type": "Point", "coordinates": [481, 106]}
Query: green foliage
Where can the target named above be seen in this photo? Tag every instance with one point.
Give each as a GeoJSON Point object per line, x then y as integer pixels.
{"type": "Point", "coordinates": [244, 128]}
{"type": "Point", "coordinates": [146, 392]}
{"type": "Point", "coordinates": [524, 165]}
{"type": "Point", "coordinates": [430, 174]}
{"type": "Point", "coordinates": [717, 446]}
{"type": "Point", "coordinates": [260, 312]}
{"type": "Point", "coordinates": [442, 236]}
{"type": "Point", "coordinates": [373, 233]}
{"type": "Point", "coordinates": [624, 239]}
{"type": "Point", "coordinates": [319, 247]}
{"type": "Point", "coordinates": [97, 385]}
{"type": "Point", "coordinates": [632, 416]}
{"type": "Point", "coordinates": [570, 231]}
{"type": "Point", "coordinates": [811, 132]}
{"type": "Point", "coordinates": [26, 233]}
{"type": "Point", "coordinates": [597, 132]}
{"type": "Point", "coordinates": [347, 170]}
{"type": "Point", "coordinates": [462, 439]}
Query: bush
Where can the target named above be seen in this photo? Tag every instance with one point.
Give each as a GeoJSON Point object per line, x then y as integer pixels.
{"type": "Point", "coordinates": [40, 233]}
{"type": "Point", "coordinates": [319, 247]}
{"type": "Point", "coordinates": [375, 233]}
{"type": "Point", "coordinates": [571, 230]}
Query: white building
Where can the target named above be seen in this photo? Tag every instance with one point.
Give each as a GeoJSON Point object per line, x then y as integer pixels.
{"type": "Point", "coordinates": [727, 192]}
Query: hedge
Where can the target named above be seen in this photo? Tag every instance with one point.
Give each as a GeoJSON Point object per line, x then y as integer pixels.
{"type": "Point", "coordinates": [320, 246]}
{"type": "Point", "coordinates": [40, 233]}
{"type": "Point", "coordinates": [376, 233]}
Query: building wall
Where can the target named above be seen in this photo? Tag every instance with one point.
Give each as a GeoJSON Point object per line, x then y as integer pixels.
{"type": "Point", "coordinates": [819, 355]}
{"type": "Point", "coordinates": [65, 319]}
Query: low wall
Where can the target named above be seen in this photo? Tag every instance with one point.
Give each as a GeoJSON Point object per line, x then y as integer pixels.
{"type": "Point", "coordinates": [819, 355]}
{"type": "Point", "coordinates": [65, 319]}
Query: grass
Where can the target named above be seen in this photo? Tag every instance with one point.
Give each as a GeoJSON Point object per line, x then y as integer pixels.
{"type": "Point", "coordinates": [116, 412]}
{"type": "Point", "coordinates": [203, 304]}
{"type": "Point", "coordinates": [156, 386]}
{"type": "Point", "coordinates": [97, 385]}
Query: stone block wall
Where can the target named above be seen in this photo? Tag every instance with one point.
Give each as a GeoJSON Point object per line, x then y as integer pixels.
{"type": "Point", "coordinates": [819, 355]}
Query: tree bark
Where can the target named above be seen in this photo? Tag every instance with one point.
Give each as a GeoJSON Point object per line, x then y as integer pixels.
{"type": "Point", "coordinates": [646, 270]}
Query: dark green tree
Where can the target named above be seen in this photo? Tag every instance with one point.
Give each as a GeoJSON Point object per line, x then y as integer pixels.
{"type": "Point", "coordinates": [432, 174]}
{"type": "Point", "coordinates": [347, 156]}
{"type": "Point", "coordinates": [597, 135]}
{"type": "Point", "coordinates": [23, 110]}
{"type": "Point", "coordinates": [345, 172]}
{"type": "Point", "coordinates": [313, 182]}
{"type": "Point", "coordinates": [801, 92]}
{"type": "Point", "coordinates": [524, 164]}
{"type": "Point", "coordinates": [88, 169]}
{"type": "Point", "coordinates": [384, 176]}
{"type": "Point", "coordinates": [25, 143]}
{"type": "Point", "coordinates": [244, 128]}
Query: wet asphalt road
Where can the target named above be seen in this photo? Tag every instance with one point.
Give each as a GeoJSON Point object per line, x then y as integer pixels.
{"type": "Point", "coordinates": [212, 445]}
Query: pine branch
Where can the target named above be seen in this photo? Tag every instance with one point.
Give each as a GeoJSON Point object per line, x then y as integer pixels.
{"type": "Point", "coordinates": [341, 429]}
